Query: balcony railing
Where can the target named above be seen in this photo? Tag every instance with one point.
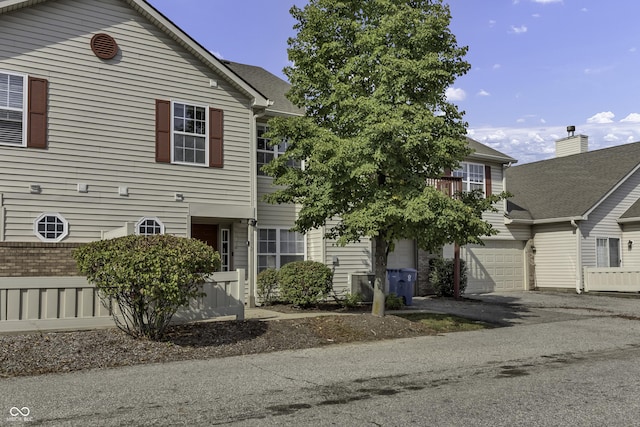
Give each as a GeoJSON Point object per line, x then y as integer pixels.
{"type": "Point", "coordinates": [450, 185]}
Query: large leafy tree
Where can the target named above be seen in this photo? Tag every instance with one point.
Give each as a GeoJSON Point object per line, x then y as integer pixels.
{"type": "Point", "coordinates": [371, 76]}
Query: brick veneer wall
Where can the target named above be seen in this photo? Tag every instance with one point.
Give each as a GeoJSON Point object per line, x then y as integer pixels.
{"type": "Point", "coordinates": [29, 259]}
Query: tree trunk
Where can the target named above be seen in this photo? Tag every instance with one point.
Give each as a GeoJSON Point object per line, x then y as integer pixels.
{"type": "Point", "coordinates": [379, 295]}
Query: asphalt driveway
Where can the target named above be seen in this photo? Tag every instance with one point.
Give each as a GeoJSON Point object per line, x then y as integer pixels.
{"type": "Point", "coordinates": [532, 307]}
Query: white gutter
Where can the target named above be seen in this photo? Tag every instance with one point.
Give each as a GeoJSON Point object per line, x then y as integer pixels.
{"type": "Point", "coordinates": [578, 256]}
{"type": "Point", "coordinates": [546, 220]}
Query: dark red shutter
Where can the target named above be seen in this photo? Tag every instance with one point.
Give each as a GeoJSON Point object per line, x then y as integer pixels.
{"type": "Point", "coordinates": [216, 132]}
{"type": "Point", "coordinates": [37, 113]}
{"type": "Point", "coordinates": [487, 179]}
{"type": "Point", "coordinates": [163, 131]}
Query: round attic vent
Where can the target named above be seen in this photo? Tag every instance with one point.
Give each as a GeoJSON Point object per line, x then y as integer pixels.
{"type": "Point", "coordinates": [104, 46]}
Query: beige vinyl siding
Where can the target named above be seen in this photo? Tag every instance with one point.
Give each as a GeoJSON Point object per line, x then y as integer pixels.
{"type": "Point", "coordinates": [273, 214]}
{"type": "Point", "coordinates": [602, 222]}
{"type": "Point", "coordinates": [101, 123]}
{"type": "Point", "coordinates": [315, 242]}
{"type": "Point", "coordinates": [239, 239]}
{"type": "Point", "coordinates": [87, 215]}
{"type": "Point", "coordinates": [556, 257]}
{"type": "Point", "coordinates": [352, 258]}
{"type": "Point", "coordinates": [631, 257]}
{"type": "Point", "coordinates": [403, 255]}
{"type": "Point", "coordinates": [497, 219]}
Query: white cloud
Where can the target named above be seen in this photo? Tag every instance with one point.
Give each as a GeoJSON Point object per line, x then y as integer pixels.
{"type": "Point", "coordinates": [518, 30]}
{"type": "Point", "coordinates": [520, 120]}
{"type": "Point", "coordinates": [598, 70]}
{"type": "Point", "coordinates": [496, 66]}
{"type": "Point", "coordinates": [536, 15]}
{"type": "Point", "coordinates": [536, 142]}
{"type": "Point", "coordinates": [632, 118]}
{"type": "Point", "coordinates": [584, 9]}
{"type": "Point", "coordinates": [543, 121]}
{"type": "Point", "coordinates": [492, 22]}
{"type": "Point", "coordinates": [633, 49]}
{"type": "Point", "coordinates": [483, 93]}
{"type": "Point", "coordinates": [547, 1]}
{"type": "Point", "coordinates": [603, 117]}
{"type": "Point", "coordinates": [455, 94]}
{"type": "Point", "coordinates": [216, 54]}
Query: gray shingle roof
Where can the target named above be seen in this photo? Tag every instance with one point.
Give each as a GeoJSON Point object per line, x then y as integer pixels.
{"type": "Point", "coordinates": [485, 152]}
{"type": "Point", "coordinates": [269, 85]}
{"type": "Point", "coordinates": [632, 212]}
{"type": "Point", "coordinates": [568, 186]}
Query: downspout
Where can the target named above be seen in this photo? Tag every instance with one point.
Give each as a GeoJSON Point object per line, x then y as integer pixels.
{"type": "Point", "coordinates": [578, 256]}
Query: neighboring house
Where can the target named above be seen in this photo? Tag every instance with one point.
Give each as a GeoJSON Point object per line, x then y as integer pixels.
{"type": "Point", "coordinates": [582, 209]}
{"type": "Point", "coordinates": [114, 121]}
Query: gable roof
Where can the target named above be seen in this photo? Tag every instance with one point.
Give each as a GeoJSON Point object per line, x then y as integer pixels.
{"type": "Point", "coordinates": [570, 186]}
{"type": "Point", "coordinates": [270, 85]}
{"type": "Point", "coordinates": [484, 152]}
{"type": "Point", "coordinates": [177, 34]}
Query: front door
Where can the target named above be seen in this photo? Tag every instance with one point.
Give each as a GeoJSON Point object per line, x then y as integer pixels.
{"type": "Point", "coordinates": [207, 233]}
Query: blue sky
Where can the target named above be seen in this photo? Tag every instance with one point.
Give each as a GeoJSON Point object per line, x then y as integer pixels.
{"type": "Point", "coordinates": [537, 65]}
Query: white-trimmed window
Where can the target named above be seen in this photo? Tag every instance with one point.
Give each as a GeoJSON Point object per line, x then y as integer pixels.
{"type": "Point", "coordinates": [279, 246]}
{"type": "Point", "coordinates": [608, 252]}
{"type": "Point", "coordinates": [148, 226]}
{"type": "Point", "coordinates": [13, 95]}
{"type": "Point", "coordinates": [50, 227]}
{"type": "Point", "coordinates": [472, 175]}
{"type": "Point", "coordinates": [225, 249]}
{"type": "Point", "coordinates": [266, 153]}
{"type": "Point", "coordinates": [189, 133]}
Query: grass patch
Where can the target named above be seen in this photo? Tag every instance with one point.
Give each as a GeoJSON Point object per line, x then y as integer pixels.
{"type": "Point", "coordinates": [444, 322]}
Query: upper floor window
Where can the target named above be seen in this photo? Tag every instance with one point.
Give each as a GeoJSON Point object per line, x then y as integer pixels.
{"type": "Point", "coordinates": [50, 227]}
{"type": "Point", "coordinates": [267, 152]}
{"type": "Point", "coordinates": [12, 109]}
{"type": "Point", "coordinates": [190, 134]}
{"type": "Point", "coordinates": [149, 226]}
{"type": "Point", "coordinates": [473, 176]}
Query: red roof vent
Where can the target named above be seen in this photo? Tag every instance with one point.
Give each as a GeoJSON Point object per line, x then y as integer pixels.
{"type": "Point", "coordinates": [104, 46]}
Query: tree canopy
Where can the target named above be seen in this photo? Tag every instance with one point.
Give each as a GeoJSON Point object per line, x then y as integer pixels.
{"type": "Point", "coordinates": [371, 76]}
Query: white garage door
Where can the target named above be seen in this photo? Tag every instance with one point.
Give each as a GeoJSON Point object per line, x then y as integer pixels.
{"type": "Point", "coordinates": [497, 266]}
{"type": "Point", "coordinates": [403, 255]}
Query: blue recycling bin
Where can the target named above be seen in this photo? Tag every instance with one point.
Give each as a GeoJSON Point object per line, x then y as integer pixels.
{"type": "Point", "coordinates": [393, 277]}
{"type": "Point", "coordinates": [402, 282]}
{"type": "Point", "coordinates": [410, 277]}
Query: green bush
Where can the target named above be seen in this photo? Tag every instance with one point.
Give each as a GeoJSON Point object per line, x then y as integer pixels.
{"type": "Point", "coordinates": [351, 300]}
{"type": "Point", "coordinates": [393, 302]}
{"type": "Point", "coordinates": [149, 277]}
{"type": "Point", "coordinates": [267, 285]}
{"type": "Point", "coordinates": [441, 276]}
{"type": "Point", "coordinates": [305, 283]}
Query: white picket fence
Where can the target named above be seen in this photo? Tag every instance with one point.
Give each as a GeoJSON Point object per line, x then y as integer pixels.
{"type": "Point", "coordinates": [30, 304]}
{"type": "Point", "coordinates": [614, 279]}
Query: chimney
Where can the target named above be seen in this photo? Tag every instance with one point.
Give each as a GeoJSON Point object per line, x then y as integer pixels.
{"type": "Point", "coordinates": [572, 144]}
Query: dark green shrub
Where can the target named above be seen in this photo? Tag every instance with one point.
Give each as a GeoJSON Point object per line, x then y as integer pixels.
{"type": "Point", "coordinates": [305, 283]}
{"type": "Point", "coordinates": [441, 276]}
{"type": "Point", "coordinates": [149, 277]}
{"type": "Point", "coordinates": [267, 285]}
{"type": "Point", "coordinates": [393, 302]}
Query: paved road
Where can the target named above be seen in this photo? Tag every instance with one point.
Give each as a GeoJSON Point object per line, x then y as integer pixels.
{"type": "Point", "coordinates": [578, 366]}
